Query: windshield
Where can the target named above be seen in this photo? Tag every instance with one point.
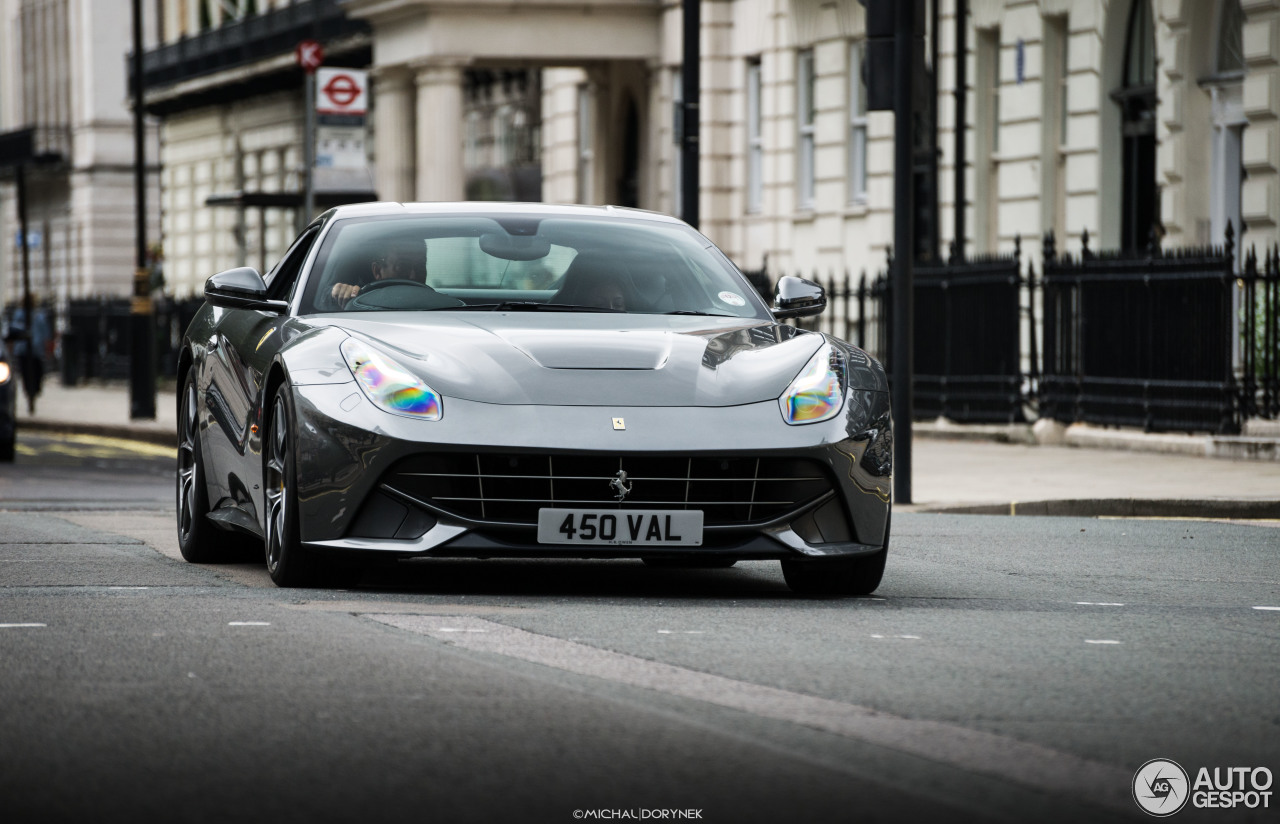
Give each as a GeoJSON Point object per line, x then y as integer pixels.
{"type": "Point", "coordinates": [523, 263]}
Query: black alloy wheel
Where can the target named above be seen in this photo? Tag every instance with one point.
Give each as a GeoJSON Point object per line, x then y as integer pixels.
{"type": "Point", "coordinates": [200, 541]}
{"type": "Point", "coordinates": [287, 562]}
{"type": "Point", "coordinates": [839, 576]}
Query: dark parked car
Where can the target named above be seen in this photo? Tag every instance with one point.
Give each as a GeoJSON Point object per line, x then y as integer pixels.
{"type": "Point", "coordinates": [487, 380]}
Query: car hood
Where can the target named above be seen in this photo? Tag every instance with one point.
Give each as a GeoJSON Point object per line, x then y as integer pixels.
{"type": "Point", "coordinates": [591, 359]}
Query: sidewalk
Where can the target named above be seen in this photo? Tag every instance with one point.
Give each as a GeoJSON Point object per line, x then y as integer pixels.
{"type": "Point", "coordinates": [99, 408]}
{"type": "Point", "coordinates": [990, 470]}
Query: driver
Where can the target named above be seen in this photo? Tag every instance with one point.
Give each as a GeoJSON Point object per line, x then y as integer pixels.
{"type": "Point", "coordinates": [404, 260]}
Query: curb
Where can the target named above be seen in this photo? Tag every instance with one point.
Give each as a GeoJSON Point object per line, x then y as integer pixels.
{"type": "Point", "coordinates": [1260, 446]}
{"type": "Point", "coordinates": [159, 437]}
{"type": "Point", "coordinates": [1117, 508]}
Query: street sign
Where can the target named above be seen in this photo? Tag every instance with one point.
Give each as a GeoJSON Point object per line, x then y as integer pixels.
{"type": "Point", "coordinates": [309, 54]}
{"type": "Point", "coordinates": [342, 92]}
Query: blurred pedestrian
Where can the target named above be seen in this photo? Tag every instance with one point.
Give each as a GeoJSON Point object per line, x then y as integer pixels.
{"type": "Point", "coordinates": [31, 341]}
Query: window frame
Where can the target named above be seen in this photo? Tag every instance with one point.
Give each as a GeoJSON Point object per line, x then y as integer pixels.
{"type": "Point", "coordinates": [755, 135]}
{"type": "Point", "coordinates": [806, 118]}
{"type": "Point", "coordinates": [858, 127]}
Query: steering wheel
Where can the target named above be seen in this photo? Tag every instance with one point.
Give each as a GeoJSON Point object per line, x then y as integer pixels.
{"type": "Point", "coordinates": [384, 283]}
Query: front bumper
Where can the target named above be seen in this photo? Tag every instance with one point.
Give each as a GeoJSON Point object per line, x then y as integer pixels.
{"type": "Point", "coordinates": [348, 448]}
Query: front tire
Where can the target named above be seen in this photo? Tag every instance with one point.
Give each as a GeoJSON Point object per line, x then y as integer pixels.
{"type": "Point", "coordinates": [288, 563]}
{"type": "Point", "coordinates": [841, 576]}
{"type": "Point", "coordinates": [200, 541]}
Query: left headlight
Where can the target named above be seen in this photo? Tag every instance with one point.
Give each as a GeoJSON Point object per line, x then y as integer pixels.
{"type": "Point", "coordinates": [817, 393]}
{"type": "Point", "coordinates": [389, 385]}
{"type": "Point", "coordinates": [5, 373]}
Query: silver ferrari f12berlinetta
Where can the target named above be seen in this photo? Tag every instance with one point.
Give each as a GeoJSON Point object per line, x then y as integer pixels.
{"type": "Point", "coordinates": [516, 380]}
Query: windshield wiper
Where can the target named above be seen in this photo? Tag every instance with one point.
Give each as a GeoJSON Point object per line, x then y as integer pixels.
{"type": "Point", "coordinates": [531, 306]}
{"type": "Point", "coordinates": [699, 314]}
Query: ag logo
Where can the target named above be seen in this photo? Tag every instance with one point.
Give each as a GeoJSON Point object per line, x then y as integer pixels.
{"type": "Point", "coordinates": [1161, 787]}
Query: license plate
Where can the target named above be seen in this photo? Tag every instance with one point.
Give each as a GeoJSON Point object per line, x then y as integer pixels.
{"type": "Point", "coordinates": [617, 527]}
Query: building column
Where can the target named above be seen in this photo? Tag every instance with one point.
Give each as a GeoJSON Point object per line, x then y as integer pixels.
{"type": "Point", "coordinates": [439, 170]}
{"type": "Point", "coordinates": [393, 135]}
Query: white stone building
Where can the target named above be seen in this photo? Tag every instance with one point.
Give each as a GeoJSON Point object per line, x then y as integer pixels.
{"type": "Point", "coordinates": [63, 74]}
{"type": "Point", "coordinates": [225, 86]}
{"type": "Point", "coordinates": [1079, 113]}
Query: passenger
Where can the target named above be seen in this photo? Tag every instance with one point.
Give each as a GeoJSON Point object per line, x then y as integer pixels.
{"type": "Point", "coordinates": [606, 293]}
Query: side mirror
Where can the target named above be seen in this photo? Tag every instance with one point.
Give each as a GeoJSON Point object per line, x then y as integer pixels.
{"type": "Point", "coordinates": [798, 298]}
{"type": "Point", "coordinates": [241, 288]}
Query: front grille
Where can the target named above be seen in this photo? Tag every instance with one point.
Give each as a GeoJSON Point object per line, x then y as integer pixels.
{"type": "Point", "coordinates": [511, 488]}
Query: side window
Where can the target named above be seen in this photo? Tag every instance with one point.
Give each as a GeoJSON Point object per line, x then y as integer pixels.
{"type": "Point", "coordinates": [281, 279]}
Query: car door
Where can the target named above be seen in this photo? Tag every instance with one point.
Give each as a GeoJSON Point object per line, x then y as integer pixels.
{"type": "Point", "coordinates": [241, 347]}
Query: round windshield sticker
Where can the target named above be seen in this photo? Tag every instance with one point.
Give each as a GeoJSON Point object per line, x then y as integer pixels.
{"type": "Point", "coordinates": [732, 298]}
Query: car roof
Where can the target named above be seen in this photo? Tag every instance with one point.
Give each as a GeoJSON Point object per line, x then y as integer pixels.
{"type": "Point", "coordinates": [489, 207]}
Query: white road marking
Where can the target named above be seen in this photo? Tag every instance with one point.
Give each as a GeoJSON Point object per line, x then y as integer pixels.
{"type": "Point", "coordinates": [19, 626]}
{"type": "Point", "coordinates": [128, 587]}
{"type": "Point", "coordinates": [1028, 764]}
{"type": "Point", "coordinates": [1098, 604]}
{"type": "Point", "coordinates": [877, 636]}
{"type": "Point", "coordinates": [459, 629]}
{"type": "Point", "coordinates": [910, 637]}
{"type": "Point", "coordinates": [1101, 641]}
{"type": "Point", "coordinates": [1269, 609]}
{"type": "Point", "coordinates": [248, 623]}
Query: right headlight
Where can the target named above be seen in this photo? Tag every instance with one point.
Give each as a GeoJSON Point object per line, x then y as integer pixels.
{"type": "Point", "coordinates": [817, 393]}
{"type": "Point", "coordinates": [389, 385]}
{"type": "Point", "coordinates": [5, 373]}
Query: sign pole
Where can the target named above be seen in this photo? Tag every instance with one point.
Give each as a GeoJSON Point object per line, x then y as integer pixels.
{"type": "Point", "coordinates": [142, 383]}
{"type": "Point", "coordinates": [309, 54]}
{"type": "Point", "coordinates": [309, 150]}
{"type": "Point", "coordinates": [691, 78]}
{"type": "Point", "coordinates": [901, 354]}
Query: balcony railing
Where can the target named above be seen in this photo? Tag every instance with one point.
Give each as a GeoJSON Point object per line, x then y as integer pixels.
{"type": "Point", "coordinates": [245, 41]}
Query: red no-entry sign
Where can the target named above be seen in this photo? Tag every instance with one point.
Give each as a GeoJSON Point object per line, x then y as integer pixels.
{"type": "Point", "coordinates": [309, 54]}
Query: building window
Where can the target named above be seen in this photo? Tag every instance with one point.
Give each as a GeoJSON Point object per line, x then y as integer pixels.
{"type": "Point", "coordinates": [1054, 125]}
{"type": "Point", "coordinates": [1137, 101]}
{"type": "Point", "coordinates": [1225, 88]}
{"type": "Point", "coordinates": [471, 142]}
{"type": "Point", "coordinates": [1230, 38]}
{"type": "Point", "coordinates": [755, 139]}
{"type": "Point", "coordinates": [987, 140]}
{"type": "Point", "coordinates": [677, 138]}
{"type": "Point", "coordinates": [804, 119]}
{"type": "Point", "coordinates": [585, 154]}
{"type": "Point", "coordinates": [502, 143]}
{"type": "Point", "coordinates": [857, 127]}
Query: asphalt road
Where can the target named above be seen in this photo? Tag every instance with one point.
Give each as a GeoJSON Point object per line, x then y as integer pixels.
{"type": "Point", "coordinates": [1009, 669]}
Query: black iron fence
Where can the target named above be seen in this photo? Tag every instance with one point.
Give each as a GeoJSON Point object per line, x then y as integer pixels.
{"type": "Point", "coordinates": [1260, 337]}
{"type": "Point", "coordinates": [967, 338]}
{"type": "Point", "coordinates": [1147, 340]}
{"type": "Point", "coordinates": [95, 339]}
{"type": "Point", "coordinates": [1174, 340]}
{"type": "Point", "coordinates": [1179, 340]}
